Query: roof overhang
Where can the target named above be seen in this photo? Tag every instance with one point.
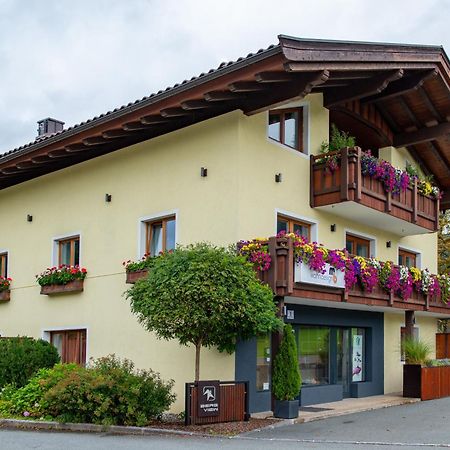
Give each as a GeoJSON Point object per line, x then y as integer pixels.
{"type": "Point", "coordinates": [407, 85]}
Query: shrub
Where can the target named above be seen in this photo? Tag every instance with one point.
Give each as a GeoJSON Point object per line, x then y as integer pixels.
{"type": "Point", "coordinates": [21, 357]}
{"type": "Point", "coordinates": [108, 392]}
{"type": "Point", "coordinates": [287, 379]}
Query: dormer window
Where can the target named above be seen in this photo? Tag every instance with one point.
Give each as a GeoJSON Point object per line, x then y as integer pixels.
{"type": "Point", "coordinates": [286, 127]}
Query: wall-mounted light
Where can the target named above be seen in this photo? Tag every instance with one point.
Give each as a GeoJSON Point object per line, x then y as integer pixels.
{"type": "Point", "coordinates": [333, 227]}
{"type": "Point", "coordinates": [278, 178]}
{"type": "Point", "coordinates": [388, 244]}
{"type": "Point", "coordinates": [29, 218]}
{"type": "Point", "coordinates": [203, 172]}
{"type": "Point", "coordinates": [108, 198]}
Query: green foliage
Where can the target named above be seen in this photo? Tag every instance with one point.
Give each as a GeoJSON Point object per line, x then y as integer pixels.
{"type": "Point", "coordinates": [338, 140]}
{"type": "Point", "coordinates": [287, 380]}
{"type": "Point", "coordinates": [61, 275]}
{"type": "Point", "coordinates": [438, 362]}
{"type": "Point", "coordinates": [416, 351]}
{"type": "Point", "coordinates": [412, 170]}
{"type": "Point", "coordinates": [145, 263]}
{"type": "Point", "coordinates": [444, 243]}
{"type": "Point", "coordinates": [108, 392]}
{"type": "Point", "coordinates": [205, 296]}
{"type": "Point", "coordinates": [21, 357]}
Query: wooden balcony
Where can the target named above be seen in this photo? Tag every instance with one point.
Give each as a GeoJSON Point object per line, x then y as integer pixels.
{"type": "Point", "coordinates": [280, 277]}
{"type": "Point", "coordinates": [347, 193]}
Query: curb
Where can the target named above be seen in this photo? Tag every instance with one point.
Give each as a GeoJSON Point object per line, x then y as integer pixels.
{"type": "Point", "coordinates": [18, 424]}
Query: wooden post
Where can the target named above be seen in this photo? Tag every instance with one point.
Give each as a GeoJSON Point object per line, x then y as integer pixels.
{"type": "Point", "coordinates": [344, 174]}
{"type": "Point", "coordinates": [311, 181]}
{"type": "Point", "coordinates": [414, 201]}
{"type": "Point", "coordinates": [358, 175]}
{"type": "Point", "coordinates": [388, 202]}
{"type": "Point", "coordinates": [410, 320]}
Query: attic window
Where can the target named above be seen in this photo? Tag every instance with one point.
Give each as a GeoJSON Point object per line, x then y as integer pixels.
{"type": "Point", "coordinates": [286, 127]}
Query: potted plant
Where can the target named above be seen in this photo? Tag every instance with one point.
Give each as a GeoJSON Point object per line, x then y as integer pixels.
{"type": "Point", "coordinates": [286, 381]}
{"type": "Point", "coordinates": [61, 279]}
{"type": "Point", "coordinates": [417, 354]}
{"type": "Point", "coordinates": [4, 289]}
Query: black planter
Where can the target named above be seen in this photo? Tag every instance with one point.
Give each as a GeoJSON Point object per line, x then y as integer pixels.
{"type": "Point", "coordinates": [412, 380]}
{"type": "Point", "coordinates": [286, 409]}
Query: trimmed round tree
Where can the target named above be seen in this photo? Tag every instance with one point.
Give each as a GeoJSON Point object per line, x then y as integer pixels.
{"type": "Point", "coordinates": [206, 296]}
{"type": "Point", "coordinates": [287, 380]}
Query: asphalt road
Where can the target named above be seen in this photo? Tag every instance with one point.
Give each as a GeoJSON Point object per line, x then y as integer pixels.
{"type": "Point", "coordinates": [416, 426]}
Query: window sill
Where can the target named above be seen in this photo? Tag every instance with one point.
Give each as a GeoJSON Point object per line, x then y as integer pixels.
{"type": "Point", "coordinates": [5, 296]}
{"type": "Point", "coordinates": [70, 287]}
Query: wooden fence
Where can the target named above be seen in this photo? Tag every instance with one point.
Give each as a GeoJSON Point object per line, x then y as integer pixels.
{"type": "Point", "coordinates": [426, 383]}
{"type": "Point", "coordinates": [234, 403]}
{"type": "Point", "coordinates": [442, 345]}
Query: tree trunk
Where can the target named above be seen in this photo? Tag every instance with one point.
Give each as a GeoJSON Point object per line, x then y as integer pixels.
{"type": "Point", "coordinates": [198, 347]}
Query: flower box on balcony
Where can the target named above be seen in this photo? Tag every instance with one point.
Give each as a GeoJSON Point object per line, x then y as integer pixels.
{"type": "Point", "coordinates": [133, 276]}
{"type": "Point", "coordinates": [70, 287]}
{"type": "Point", "coordinates": [5, 296]}
{"type": "Point", "coordinates": [348, 189]}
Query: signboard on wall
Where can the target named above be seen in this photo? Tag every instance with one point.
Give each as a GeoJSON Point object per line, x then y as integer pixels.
{"type": "Point", "coordinates": [208, 398]}
{"type": "Point", "coordinates": [357, 358]}
{"type": "Point", "coordinates": [331, 278]}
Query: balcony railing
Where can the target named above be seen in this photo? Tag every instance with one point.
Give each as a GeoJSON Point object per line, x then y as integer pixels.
{"type": "Point", "coordinates": [406, 213]}
{"type": "Point", "coordinates": [280, 277]}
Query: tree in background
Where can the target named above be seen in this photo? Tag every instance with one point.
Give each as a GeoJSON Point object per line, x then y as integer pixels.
{"type": "Point", "coordinates": [444, 243]}
{"type": "Point", "coordinates": [205, 296]}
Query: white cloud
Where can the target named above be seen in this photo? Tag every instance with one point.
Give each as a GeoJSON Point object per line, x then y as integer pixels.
{"type": "Point", "coordinates": [74, 60]}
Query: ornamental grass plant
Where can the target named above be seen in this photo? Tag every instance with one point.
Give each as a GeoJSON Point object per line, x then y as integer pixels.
{"type": "Point", "coordinates": [416, 351]}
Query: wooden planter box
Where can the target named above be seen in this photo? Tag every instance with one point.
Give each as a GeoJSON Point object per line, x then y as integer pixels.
{"type": "Point", "coordinates": [5, 296]}
{"type": "Point", "coordinates": [132, 277]}
{"type": "Point", "coordinates": [70, 287]}
{"type": "Point", "coordinates": [426, 383]}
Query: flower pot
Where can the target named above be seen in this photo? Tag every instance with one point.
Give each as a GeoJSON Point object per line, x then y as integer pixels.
{"type": "Point", "coordinates": [132, 277]}
{"type": "Point", "coordinates": [286, 409]}
{"type": "Point", "coordinates": [70, 287]}
{"type": "Point", "coordinates": [5, 296]}
{"type": "Point", "coordinates": [412, 380]}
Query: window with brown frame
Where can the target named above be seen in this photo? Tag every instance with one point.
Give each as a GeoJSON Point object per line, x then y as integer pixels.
{"type": "Point", "coordinates": [71, 345]}
{"type": "Point", "coordinates": [160, 235]}
{"type": "Point", "coordinates": [406, 258]}
{"type": "Point", "coordinates": [357, 246]}
{"type": "Point", "coordinates": [3, 265]}
{"type": "Point", "coordinates": [69, 251]}
{"type": "Point", "coordinates": [293, 226]}
{"type": "Point", "coordinates": [286, 127]}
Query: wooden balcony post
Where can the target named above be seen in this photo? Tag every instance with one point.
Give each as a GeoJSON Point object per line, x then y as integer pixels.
{"type": "Point", "coordinates": [414, 201]}
{"type": "Point", "coordinates": [311, 181]}
{"type": "Point", "coordinates": [344, 174]}
{"type": "Point", "coordinates": [436, 226]}
{"type": "Point", "coordinates": [358, 175]}
{"type": "Point", "coordinates": [388, 202]}
{"type": "Point", "coordinates": [410, 320]}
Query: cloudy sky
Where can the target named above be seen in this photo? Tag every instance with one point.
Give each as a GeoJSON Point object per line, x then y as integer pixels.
{"type": "Point", "coordinates": [72, 60]}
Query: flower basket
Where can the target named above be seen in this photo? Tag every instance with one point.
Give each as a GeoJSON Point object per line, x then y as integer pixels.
{"type": "Point", "coordinates": [133, 276]}
{"type": "Point", "coordinates": [70, 287]}
{"type": "Point", "coordinates": [5, 296]}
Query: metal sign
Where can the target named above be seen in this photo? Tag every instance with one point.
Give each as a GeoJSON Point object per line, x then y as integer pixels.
{"type": "Point", "coordinates": [331, 278]}
{"type": "Point", "coordinates": [208, 398]}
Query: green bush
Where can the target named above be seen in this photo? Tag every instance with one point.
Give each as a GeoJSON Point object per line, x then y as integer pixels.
{"type": "Point", "coordinates": [416, 351]}
{"type": "Point", "coordinates": [21, 357]}
{"type": "Point", "coordinates": [287, 380]}
{"type": "Point", "coordinates": [109, 392]}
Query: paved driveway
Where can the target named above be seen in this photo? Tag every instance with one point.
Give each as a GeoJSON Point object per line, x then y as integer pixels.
{"type": "Point", "coordinates": [416, 426]}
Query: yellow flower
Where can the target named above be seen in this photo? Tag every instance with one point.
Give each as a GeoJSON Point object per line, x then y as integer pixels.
{"type": "Point", "coordinates": [415, 272]}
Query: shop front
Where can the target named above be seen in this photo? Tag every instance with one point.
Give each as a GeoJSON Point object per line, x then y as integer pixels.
{"type": "Point", "coordinates": [340, 355]}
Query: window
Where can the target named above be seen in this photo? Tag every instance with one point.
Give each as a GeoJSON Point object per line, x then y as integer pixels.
{"type": "Point", "coordinates": [286, 127]}
{"type": "Point", "coordinates": [314, 354]}
{"type": "Point", "coordinates": [3, 265]}
{"type": "Point", "coordinates": [69, 251]}
{"type": "Point", "coordinates": [263, 362]}
{"type": "Point", "coordinates": [160, 236]}
{"type": "Point", "coordinates": [357, 246]}
{"type": "Point", "coordinates": [406, 258]}
{"type": "Point", "coordinates": [294, 226]}
{"type": "Point", "coordinates": [71, 345]}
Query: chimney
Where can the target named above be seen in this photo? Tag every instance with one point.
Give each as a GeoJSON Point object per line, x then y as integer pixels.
{"type": "Point", "coordinates": [49, 126]}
